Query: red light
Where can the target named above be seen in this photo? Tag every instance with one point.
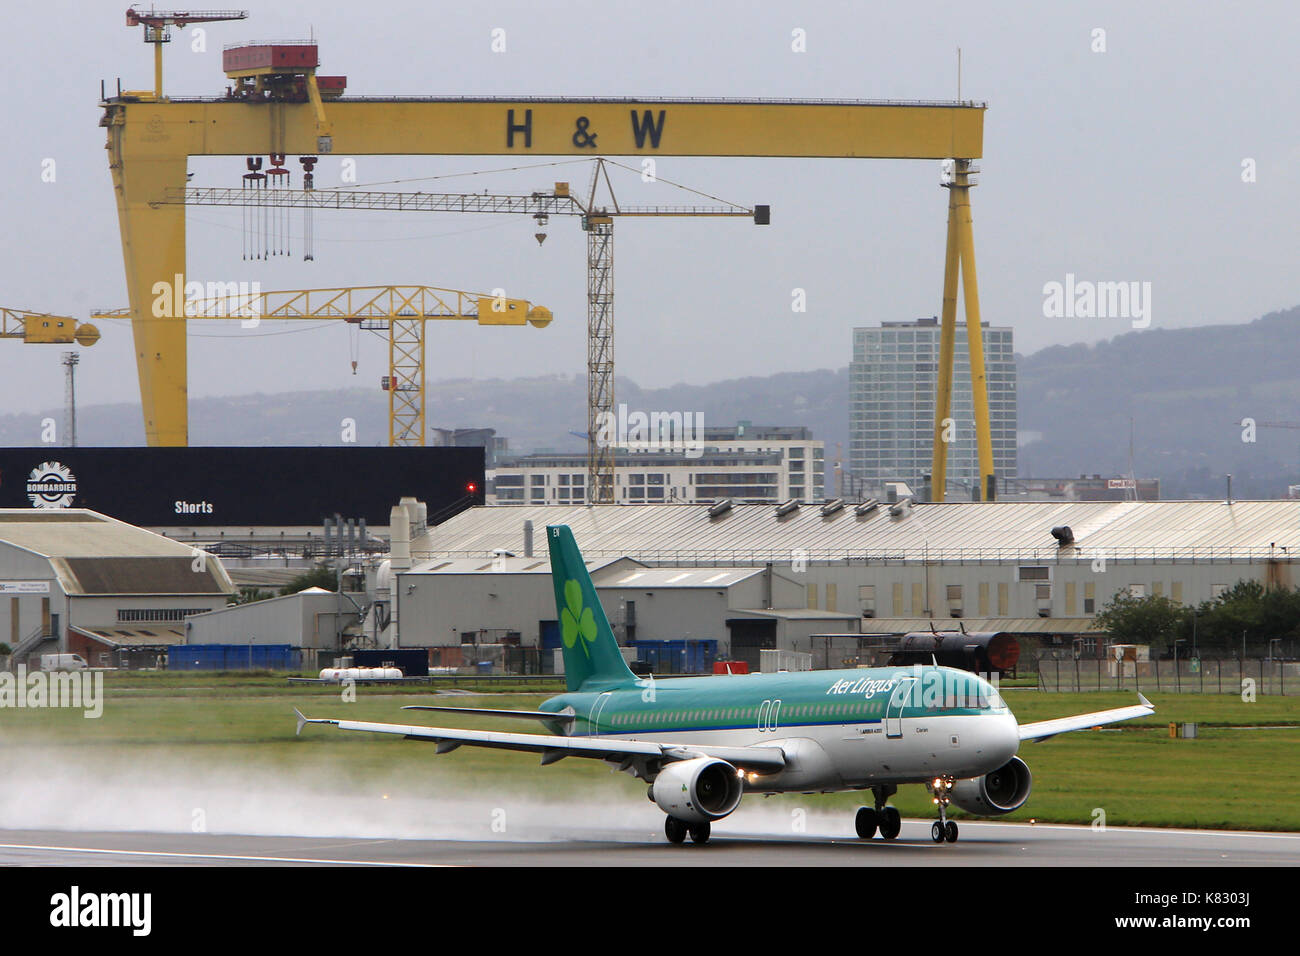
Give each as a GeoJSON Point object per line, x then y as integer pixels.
{"type": "Point", "coordinates": [471, 488]}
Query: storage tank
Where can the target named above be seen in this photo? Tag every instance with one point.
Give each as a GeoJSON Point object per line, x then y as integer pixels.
{"type": "Point", "coordinates": [335, 675]}
{"type": "Point", "coordinates": [978, 651]}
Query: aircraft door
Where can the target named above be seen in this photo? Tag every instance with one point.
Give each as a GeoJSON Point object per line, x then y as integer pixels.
{"type": "Point", "coordinates": [894, 709]}
{"type": "Point", "coordinates": [596, 711]}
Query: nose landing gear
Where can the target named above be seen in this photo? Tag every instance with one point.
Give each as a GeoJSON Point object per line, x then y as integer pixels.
{"type": "Point", "coordinates": [943, 829]}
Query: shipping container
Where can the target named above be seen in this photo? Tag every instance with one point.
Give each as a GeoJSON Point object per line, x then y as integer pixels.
{"type": "Point", "coordinates": [234, 657]}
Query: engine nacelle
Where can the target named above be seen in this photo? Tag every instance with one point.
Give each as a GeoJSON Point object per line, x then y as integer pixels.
{"type": "Point", "coordinates": [996, 793]}
{"type": "Point", "coordinates": [698, 790]}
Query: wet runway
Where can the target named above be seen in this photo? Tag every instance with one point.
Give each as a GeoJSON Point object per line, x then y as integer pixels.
{"type": "Point", "coordinates": [981, 844]}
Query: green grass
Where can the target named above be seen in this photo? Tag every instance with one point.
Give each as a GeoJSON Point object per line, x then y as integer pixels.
{"type": "Point", "coordinates": [276, 683]}
{"type": "Point", "coordinates": [1230, 777]}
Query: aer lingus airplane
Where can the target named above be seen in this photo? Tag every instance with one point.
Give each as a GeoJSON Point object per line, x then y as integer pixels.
{"type": "Point", "coordinates": [701, 743]}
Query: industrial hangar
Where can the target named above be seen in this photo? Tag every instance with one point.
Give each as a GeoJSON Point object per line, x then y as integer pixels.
{"type": "Point", "coordinates": [76, 581]}
{"type": "Point", "coordinates": [839, 581]}
{"type": "Point", "coordinates": [1042, 569]}
{"type": "Point", "coordinates": [512, 600]}
{"type": "Point", "coordinates": [314, 621]}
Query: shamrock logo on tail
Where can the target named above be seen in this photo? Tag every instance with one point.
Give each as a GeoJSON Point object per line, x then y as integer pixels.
{"type": "Point", "coordinates": [576, 621]}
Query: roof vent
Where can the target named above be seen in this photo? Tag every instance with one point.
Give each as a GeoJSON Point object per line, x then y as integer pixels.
{"type": "Point", "coordinates": [784, 509]}
{"type": "Point", "coordinates": [720, 507]}
{"type": "Point", "coordinates": [868, 506]}
{"type": "Point", "coordinates": [832, 506]}
{"type": "Point", "coordinates": [898, 509]}
{"type": "Point", "coordinates": [1063, 535]}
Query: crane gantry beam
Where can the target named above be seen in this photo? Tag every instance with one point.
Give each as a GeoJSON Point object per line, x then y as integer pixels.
{"type": "Point", "coordinates": [150, 140]}
{"type": "Point", "coordinates": [401, 310]}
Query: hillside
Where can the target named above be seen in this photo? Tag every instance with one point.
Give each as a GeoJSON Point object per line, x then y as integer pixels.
{"type": "Point", "coordinates": [1186, 391]}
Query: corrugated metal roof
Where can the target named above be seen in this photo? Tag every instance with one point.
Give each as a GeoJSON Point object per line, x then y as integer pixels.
{"type": "Point", "coordinates": [666, 577]}
{"type": "Point", "coordinates": [94, 554]}
{"type": "Point", "coordinates": [152, 636]}
{"type": "Point", "coordinates": [959, 531]}
{"type": "Point", "coordinates": [138, 576]}
{"type": "Point", "coordinates": [79, 533]}
{"type": "Point", "coordinates": [1013, 625]}
{"type": "Point", "coordinates": [491, 565]}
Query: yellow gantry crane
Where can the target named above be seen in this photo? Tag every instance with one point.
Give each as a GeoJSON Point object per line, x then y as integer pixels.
{"type": "Point", "coordinates": [150, 140]}
{"type": "Point", "coordinates": [42, 328]}
{"type": "Point", "coordinates": [597, 219]}
{"type": "Point", "coordinates": [401, 310]}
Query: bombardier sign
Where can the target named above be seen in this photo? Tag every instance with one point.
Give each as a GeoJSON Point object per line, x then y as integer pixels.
{"type": "Point", "coordinates": [248, 487]}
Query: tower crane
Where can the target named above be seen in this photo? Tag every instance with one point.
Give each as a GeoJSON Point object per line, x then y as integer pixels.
{"type": "Point", "coordinates": [157, 30]}
{"type": "Point", "coordinates": [597, 217]}
{"type": "Point", "coordinates": [402, 310]}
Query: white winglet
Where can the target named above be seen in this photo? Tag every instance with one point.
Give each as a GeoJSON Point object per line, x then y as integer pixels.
{"type": "Point", "coordinates": [1042, 729]}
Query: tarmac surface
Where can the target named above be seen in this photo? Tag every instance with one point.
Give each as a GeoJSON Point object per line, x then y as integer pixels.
{"type": "Point", "coordinates": [981, 844]}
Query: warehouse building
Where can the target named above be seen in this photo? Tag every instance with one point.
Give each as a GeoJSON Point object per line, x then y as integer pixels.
{"type": "Point", "coordinates": [315, 621]}
{"type": "Point", "coordinates": [510, 601]}
{"type": "Point", "coordinates": [1030, 568]}
{"type": "Point", "coordinates": [76, 581]}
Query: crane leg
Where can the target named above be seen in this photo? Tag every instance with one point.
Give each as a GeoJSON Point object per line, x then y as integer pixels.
{"type": "Point", "coordinates": [947, 358]}
{"type": "Point", "coordinates": [974, 336]}
{"type": "Point", "coordinates": [153, 248]}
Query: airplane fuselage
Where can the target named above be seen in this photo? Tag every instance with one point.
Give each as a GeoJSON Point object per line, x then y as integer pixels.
{"type": "Point", "coordinates": [840, 730]}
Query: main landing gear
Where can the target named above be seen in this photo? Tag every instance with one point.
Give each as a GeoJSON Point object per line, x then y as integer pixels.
{"type": "Point", "coordinates": [943, 829]}
{"type": "Point", "coordinates": [677, 831]}
{"type": "Point", "coordinates": [881, 817]}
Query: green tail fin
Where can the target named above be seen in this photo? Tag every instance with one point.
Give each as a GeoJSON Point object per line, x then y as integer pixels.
{"type": "Point", "coordinates": [592, 659]}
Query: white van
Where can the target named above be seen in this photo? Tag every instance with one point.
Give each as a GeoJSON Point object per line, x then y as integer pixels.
{"type": "Point", "coordinates": [63, 662]}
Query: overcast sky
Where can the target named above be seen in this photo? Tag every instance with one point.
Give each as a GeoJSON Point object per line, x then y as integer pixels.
{"type": "Point", "coordinates": [1122, 165]}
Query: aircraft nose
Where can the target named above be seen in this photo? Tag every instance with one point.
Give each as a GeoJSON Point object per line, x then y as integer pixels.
{"type": "Point", "coordinates": [1009, 736]}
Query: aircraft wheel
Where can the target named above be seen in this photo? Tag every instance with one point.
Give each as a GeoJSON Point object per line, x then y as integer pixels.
{"type": "Point", "coordinates": [700, 833]}
{"type": "Point", "coordinates": [674, 829]}
{"type": "Point", "coordinates": [891, 823]}
{"type": "Point", "coordinates": [936, 832]}
{"type": "Point", "coordinates": [866, 822]}
{"type": "Point", "coordinates": [950, 832]}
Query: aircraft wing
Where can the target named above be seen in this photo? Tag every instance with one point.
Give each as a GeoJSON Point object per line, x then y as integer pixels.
{"type": "Point", "coordinates": [766, 759]}
{"type": "Point", "coordinates": [490, 712]}
{"type": "Point", "coordinates": [1042, 729]}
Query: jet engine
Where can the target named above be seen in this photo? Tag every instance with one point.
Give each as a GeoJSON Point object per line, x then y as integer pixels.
{"type": "Point", "coordinates": [996, 793]}
{"type": "Point", "coordinates": [697, 790]}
